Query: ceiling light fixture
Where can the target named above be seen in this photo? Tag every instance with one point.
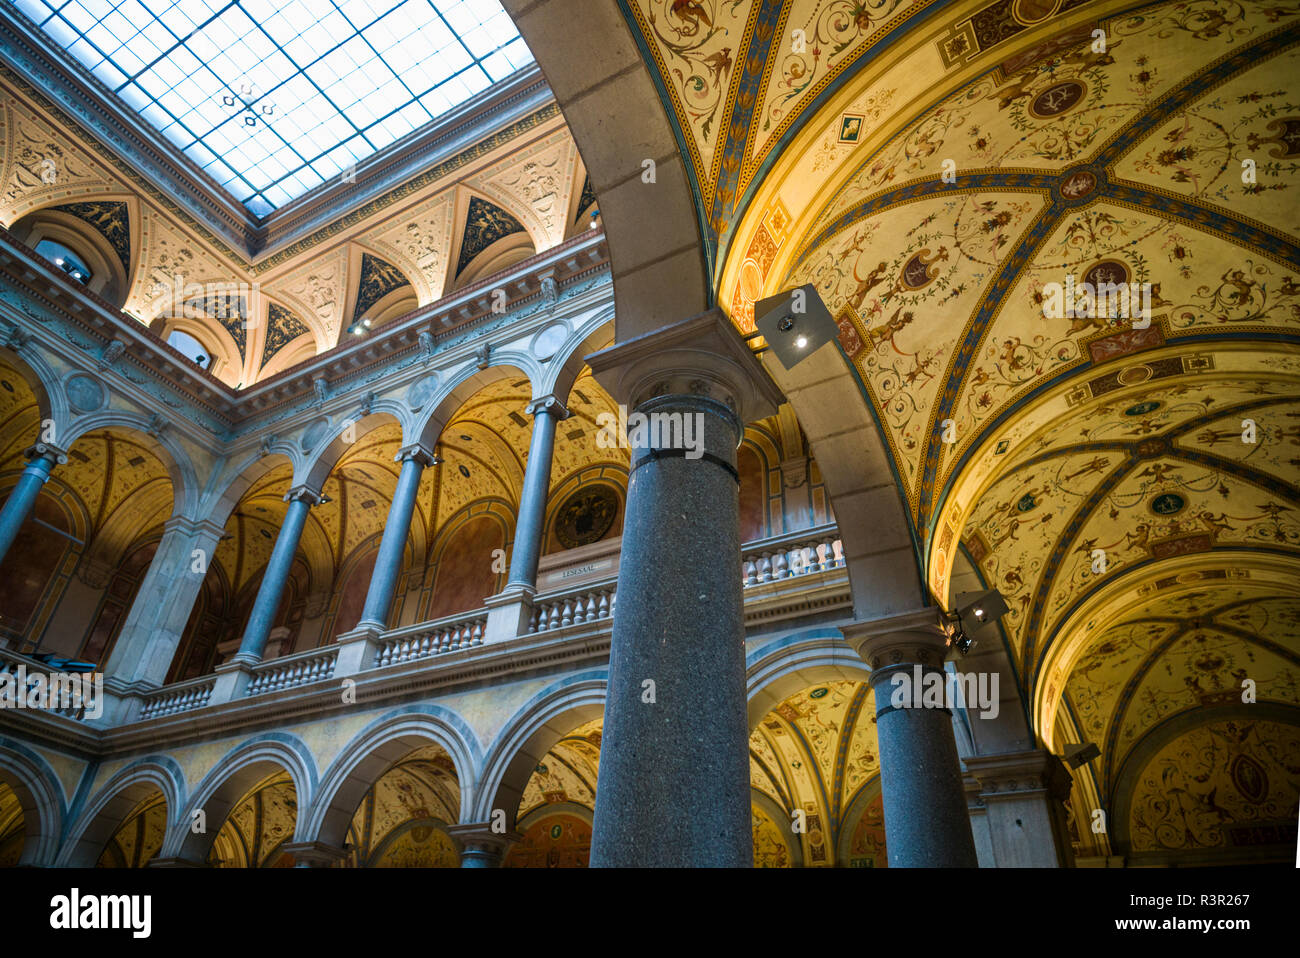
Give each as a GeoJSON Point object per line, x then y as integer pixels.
{"type": "Point", "coordinates": [795, 323]}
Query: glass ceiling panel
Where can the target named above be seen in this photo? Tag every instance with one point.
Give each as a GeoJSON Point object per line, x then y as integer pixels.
{"type": "Point", "coordinates": [274, 97]}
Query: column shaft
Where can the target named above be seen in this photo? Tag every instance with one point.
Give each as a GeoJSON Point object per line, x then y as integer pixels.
{"type": "Point", "coordinates": [383, 581]}
{"type": "Point", "coordinates": [927, 823]}
{"type": "Point", "coordinates": [674, 773]}
{"type": "Point", "coordinates": [23, 497]}
{"type": "Point", "coordinates": [532, 503]}
{"type": "Point", "coordinates": [276, 575]}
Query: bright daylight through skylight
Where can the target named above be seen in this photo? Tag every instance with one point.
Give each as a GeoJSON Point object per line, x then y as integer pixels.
{"type": "Point", "coordinates": [274, 97]}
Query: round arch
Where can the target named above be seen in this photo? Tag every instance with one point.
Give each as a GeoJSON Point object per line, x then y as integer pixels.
{"type": "Point", "coordinates": [564, 368]}
{"type": "Point", "coordinates": [226, 784]}
{"type": "Point", "coordinates": [106, 812]}
{"type": "Point", "coordinates": [44, 383]}
{"type": "Point", "coordinates": [612, 107]}
{"type": "Point", "coordinates": [186, 487]}
{"type": "Point", "coordinates": [795, 662]}
{"type": "Point", "coordinates": [427, 429]}
{"type": "Point", "coordinates": [376, 749]}
{"type": "Point", "coordinates": [240, 477]}
{"type": "Point", "coordinates": [41, 797]}
{"type": "Point", "coordinates": [533, 730]}
{"type": "Point", "coordinates": [108, 280]}
{"type": "Point", "coordinates": [346, 432]}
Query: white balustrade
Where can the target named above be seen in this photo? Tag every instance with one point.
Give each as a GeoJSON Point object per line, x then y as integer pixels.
{"type": "Point", "coordinates": [177, 698]}
{"type": "Point", "coordinates": [792, 555]}
{"type": "Point", "coordinates": [577, 607]}
{"type": "Point", "coordinates": [292, 671]}
{"type": "Point", "coordinates": [449, 635]}
{"type": "Point", "coordinates": [11, 662]}
{"type": "Point", "coordinates": [776, 559]}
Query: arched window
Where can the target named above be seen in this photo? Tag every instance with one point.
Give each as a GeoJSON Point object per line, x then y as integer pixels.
{"type": "Point", "coordinates": [65, 259]}
{"type": "Point", "coordinates": [190, 347]}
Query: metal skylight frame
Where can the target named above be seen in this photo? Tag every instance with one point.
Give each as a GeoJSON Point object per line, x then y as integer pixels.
{"type": "Point", "coordinates": [275, 97]}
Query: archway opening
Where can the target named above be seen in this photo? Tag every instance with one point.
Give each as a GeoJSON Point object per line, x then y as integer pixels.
{"type": "Point", "coordinates": [139, 839]}
{"type": "Point", "coordinates": [403, 817]}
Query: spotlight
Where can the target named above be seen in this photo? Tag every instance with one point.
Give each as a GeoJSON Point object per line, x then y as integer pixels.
{"type": "Point", "coordinates": [795, 323]}
{"type": "Point", "coordinates": [1080, 754]}
{"type": "Point", "coordinates": [980, 609]}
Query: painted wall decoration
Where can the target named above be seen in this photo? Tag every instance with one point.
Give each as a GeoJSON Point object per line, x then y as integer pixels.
{"type": "Point", "coordinates": [112, 219]}
{"type": "Point", "coordinates": [377, 279]}
{"type": "Point", "coordinates": [1225, 784]}
{"type": "Point", "coordinates": [485, 223]}
{"type": "Point", "coordinates": [282, 328]}
{"type": "Point", "coordinates": [258, 825]}
{"type": "Point", "coordinates": [586, 516]}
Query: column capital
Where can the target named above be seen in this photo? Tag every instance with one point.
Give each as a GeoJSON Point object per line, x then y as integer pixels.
{"type": "Point", "coordinates": [702, 356]}
{"type": "Point", "coordinates": [304, 493]}
{"type": "Point", "coordinates": [549, 404]}
{"type": "Point", "coordinates": [417, 452]}
{"type": "Point", "coordinates": [46, 450]}
{"type": "Point", "coordinates": [911, 638]}
{"type": "Point", "coordinates": [479, 838]}
{"type": "Point", "coordinates": [1016, 774]}
{"type": "Point", "coordinates": [314, 854]}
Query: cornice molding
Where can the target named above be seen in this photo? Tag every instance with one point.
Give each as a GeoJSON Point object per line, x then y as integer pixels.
{"type": "Point", "coordinates": [44, 308]}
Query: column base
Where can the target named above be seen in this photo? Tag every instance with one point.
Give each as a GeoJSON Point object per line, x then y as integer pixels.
{"type": "Point", "coordinates": [123, 701]}
{"type": "Point", "coordinates": [232, 680]}
{"type": "Point", "coordinates": [357, 650]}
{"type": "Point", "coordinates": [509, 612]}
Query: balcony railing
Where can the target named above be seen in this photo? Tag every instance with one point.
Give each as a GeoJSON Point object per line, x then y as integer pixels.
{"type": "Point", "coordinates": [184, 697]}
{"type": "Point", "coordinates": [784, 558]}
{"type": "Point", "coordinates": [452, 634]}
{"type": "Point", "coordinates": [292, 671]}
{"type": "Point", "coordinates": [11, 662]}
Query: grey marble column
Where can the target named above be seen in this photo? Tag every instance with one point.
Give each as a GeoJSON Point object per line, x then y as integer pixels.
{"type": "Point", "coordinates": [927, 824]}
{"type": "Point", "coordinates": [276, 575]}
{"type": "Point", "coordinates": [673, 787]}
{"type": "Point", "coordinates": [546, 412]}
{"type": "Point", "coordinates": [42, 458]}
{"type": "Point", "coordinates": [397, 528]}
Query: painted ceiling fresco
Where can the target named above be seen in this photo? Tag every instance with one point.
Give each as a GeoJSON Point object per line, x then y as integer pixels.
{"type": "Point", "coordinates": [140, 837]}
{"type": "Point", "coordinates": [113, 485]}
{"type": "Point", "coordinates": [259, 824]}
{"type": "Point", "coordinates": [401, 821]}
{"type": "Point", "coordinates": [1223, 784]}
{"type": "Point", "coordinates": [816, 753]}
{"type": "Point", "coordinates": [1075, 460]}
{"type": "Point", "coordinates": [11, 827]}
{"type": "Point", "coordinates": [304, 297]}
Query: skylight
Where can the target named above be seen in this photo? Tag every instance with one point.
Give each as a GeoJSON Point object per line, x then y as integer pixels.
{"type": "Point", "coordinates": [274, 97]}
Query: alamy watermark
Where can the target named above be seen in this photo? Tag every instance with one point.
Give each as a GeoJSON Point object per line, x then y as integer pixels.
{"type": "Point", "coordinates": [54, 691]}
{"type": "Point", "coordinates": [656, 430]}
{"type": "Point", "coordinates": [931, 689]}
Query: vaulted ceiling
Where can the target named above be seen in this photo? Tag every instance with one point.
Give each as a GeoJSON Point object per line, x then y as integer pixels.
{"type": "Point", "coordinates": [933, 170]}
